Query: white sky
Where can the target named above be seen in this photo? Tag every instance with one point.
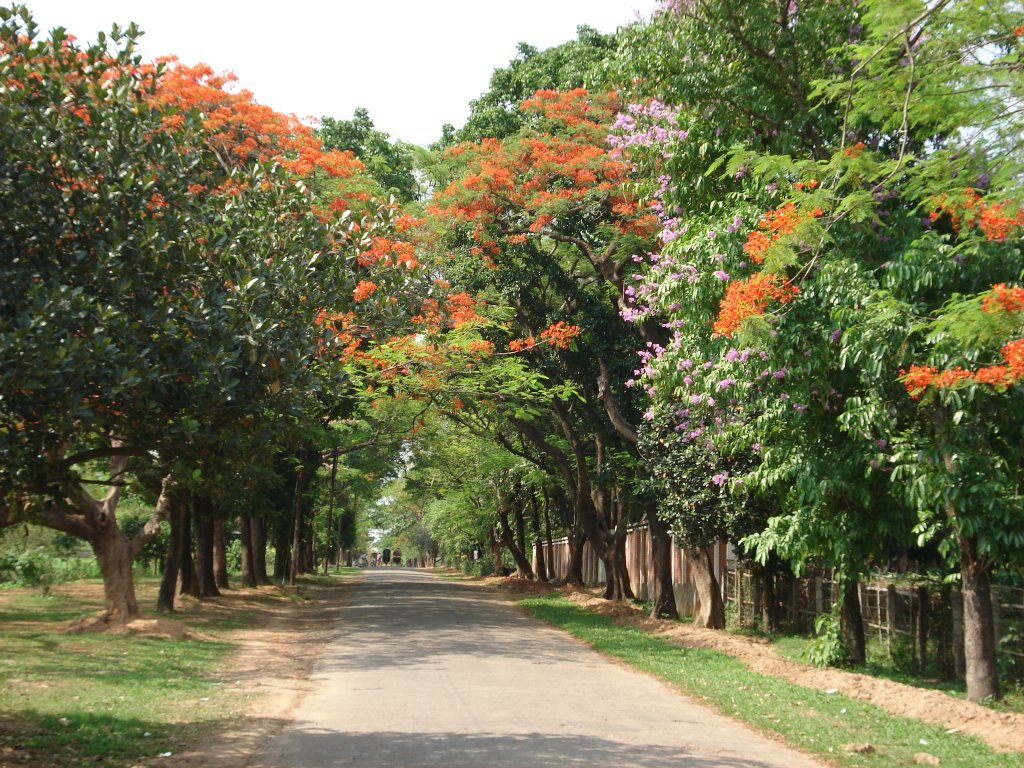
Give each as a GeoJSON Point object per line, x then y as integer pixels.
{"type": "Point", "coordinates": [414, 64]}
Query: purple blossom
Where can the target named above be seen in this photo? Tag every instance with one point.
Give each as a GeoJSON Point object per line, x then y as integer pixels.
{"type": "Point", "coordinates": [735, 226]}
{"type": "Point", "coordinates": [721, 274]}
{"type": "Point", "coordinates": [720, 478]}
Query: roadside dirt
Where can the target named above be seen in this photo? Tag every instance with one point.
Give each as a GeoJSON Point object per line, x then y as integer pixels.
{"type": "Point", "coordinates": [264, 678]}
{"type": "Point", "coordinates": [269, 673]}
{"type": "Point", "coordinates": [1001, 730]}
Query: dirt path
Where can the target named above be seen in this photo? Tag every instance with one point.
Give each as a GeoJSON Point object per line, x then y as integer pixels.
{"type": "Point", "coordinates": [269, 674]}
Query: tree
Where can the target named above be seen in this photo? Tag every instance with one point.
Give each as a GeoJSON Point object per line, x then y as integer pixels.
{"type": "Point", "coordinates": [162, 306]}
{"type": "Point", "coordinates": [390, 163]}
{"type": "Point", "coordinates": [548, 214]}
{"type": "Point", "coordinates": [812, 252]}
{"type": "Point", "coordinates": [578, 63]}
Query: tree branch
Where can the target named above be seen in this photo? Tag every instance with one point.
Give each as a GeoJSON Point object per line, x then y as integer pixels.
{"type": "Point", "coordinates": [604, 394]}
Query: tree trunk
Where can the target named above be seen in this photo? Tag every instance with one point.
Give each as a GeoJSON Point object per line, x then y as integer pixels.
{"type": "Point", "coordinates": [220, 551]}
{"type": "Point", "coordinates": [188, 579]}
{"type": "Point", "coordinates": [511, 540]}
{"type": "Point", "coordinates": [113, 554]}
{"type": "Point", "coordinates": [258, 527]}
{"type": "Point", "coordinates": [979, 625]}
{"type": "Point", "coordinates": [663, 594]}
{"type": "Point", "coordinates": [300, 489]}
{"type": "Point", "coordinates": [204, 548]}
{"type": "Point", "coordinates": [711, 611]}
{"type": "Point", "coordinates": [248, 561]}
{"type": "Point", "coordinates": [329, 528]}
{"type": "Point", "coordinates": [282, 556]}
{"type": "Point", "coordinates": [574, 575]}
{"type": "Point", "coordinates": [617, 586]}
{"type": "Point", "coordinates": [496, 552]}
{"type": "Point", "coordinates": [538, 546]}
{"type": "Point", "coordinates": [175, 549]}
{"type": "Point", "coordinates": [851, 623]}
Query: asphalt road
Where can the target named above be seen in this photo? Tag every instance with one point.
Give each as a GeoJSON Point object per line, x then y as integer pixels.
{"type": "Point", "coordinates": [425, 671]}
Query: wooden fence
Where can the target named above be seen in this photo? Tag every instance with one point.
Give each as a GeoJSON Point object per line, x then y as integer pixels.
{"type": "Point", "coordinates": [639, 563]}
{"type": "Point", "coordinates": [909, 616]}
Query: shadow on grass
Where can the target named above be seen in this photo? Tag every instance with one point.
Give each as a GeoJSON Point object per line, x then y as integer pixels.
{"type": "Point", "coordinates": [38, 739]}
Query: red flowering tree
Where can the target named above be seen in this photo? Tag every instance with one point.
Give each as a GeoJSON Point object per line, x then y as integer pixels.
{"type": "Point", "coordinates": [546, 223]}
{"type": "Point", "coordinates": [164, 278]}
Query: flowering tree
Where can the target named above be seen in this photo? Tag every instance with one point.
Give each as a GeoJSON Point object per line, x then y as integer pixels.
{"type": "Point", "coordinates": [162, 303]}
{"type": "Point", "coordinates": [550, 228]}
{"type": "Point", "coordinates": [797, 263]}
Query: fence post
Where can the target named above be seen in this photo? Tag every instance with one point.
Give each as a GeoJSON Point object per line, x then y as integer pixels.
{"type": "Point", "coordinates": [922, 626]}
{"type": "Point", "coordinates": [890, 615]}
{"type": "Point", "coordinates": [739, 595]}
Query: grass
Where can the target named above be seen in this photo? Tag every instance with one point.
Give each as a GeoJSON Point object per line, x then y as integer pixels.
{"type": "Point", "coordinates": [79, 698]}
{"type": "Point", "coordinates": [813, 721]}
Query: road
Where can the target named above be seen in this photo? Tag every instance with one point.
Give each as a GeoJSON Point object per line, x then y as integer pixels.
{"type": "Point", "coordinates": [425, 671]}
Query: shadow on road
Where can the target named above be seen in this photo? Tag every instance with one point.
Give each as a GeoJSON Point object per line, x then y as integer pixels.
{"type": "Point", "coordinates": [538, 750]}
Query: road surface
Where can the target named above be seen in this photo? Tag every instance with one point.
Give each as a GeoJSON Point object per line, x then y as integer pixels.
{"type": "Point", "coordinates": [425, 671]}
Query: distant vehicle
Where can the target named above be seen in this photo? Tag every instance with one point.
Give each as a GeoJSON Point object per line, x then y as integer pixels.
{"type": "Point", "coordinates": [385, 556]}
{"type": "Point", "coordinates": [396, 557]}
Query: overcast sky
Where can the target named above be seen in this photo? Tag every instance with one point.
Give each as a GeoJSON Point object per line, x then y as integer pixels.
{"type": "Point", "coordinates": [414, 64]}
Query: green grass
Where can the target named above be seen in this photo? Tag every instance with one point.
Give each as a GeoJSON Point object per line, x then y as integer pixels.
{"type": "Point", "coordinates": [80, 697]}
{"type": "Point", "coordinates": [810, 720]}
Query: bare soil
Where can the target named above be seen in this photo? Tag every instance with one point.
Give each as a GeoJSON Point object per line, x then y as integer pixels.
{"type": "Point", "coordinates": [1001, 730]}
{"type": "Point", "coordinates": [269, 673]}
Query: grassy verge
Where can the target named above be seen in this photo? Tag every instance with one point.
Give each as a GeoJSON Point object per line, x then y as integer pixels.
{"type": "Point", "coordinates": [880, 664]}
{"type": "Point", "coordinates": [71, 699]}
{"type": "Point", "coordinates": [813, 721]}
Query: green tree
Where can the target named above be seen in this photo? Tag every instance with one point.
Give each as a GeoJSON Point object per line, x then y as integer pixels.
{"type": "Point", "coordinates": [392, 164]}
{"type": "Point", "coordinates": [815, 254]}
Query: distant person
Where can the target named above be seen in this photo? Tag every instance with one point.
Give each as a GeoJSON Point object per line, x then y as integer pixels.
{"type": "Point", "coordinates": [396, 556]}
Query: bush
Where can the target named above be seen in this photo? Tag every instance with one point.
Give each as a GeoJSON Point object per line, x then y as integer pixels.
{"type": "Point", "coordinates": [826, 649]}
{"type": "Point", "coordinates": [40, 567]}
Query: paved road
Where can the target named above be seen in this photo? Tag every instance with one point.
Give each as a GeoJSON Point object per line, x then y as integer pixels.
{"type": "Point", "coordinates": [424, 671]}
